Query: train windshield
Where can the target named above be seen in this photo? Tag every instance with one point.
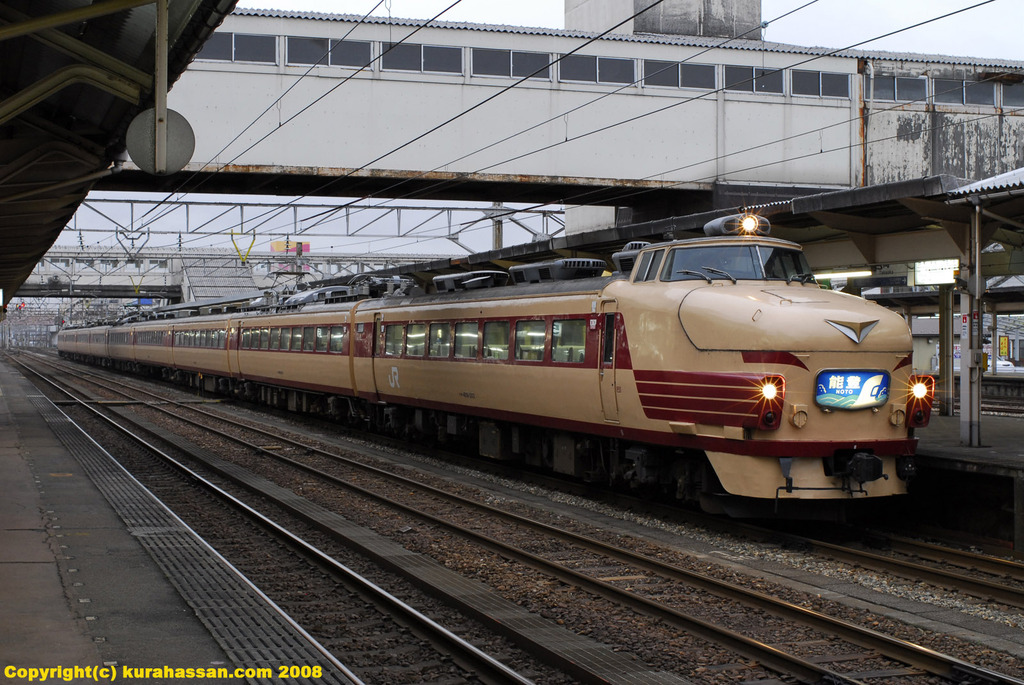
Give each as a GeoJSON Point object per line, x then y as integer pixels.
{"type": "Point", "coordinates": [736, 262]}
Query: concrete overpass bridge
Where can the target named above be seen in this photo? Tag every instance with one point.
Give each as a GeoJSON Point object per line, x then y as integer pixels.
{"type": "Point", "coordinates": [645, 122]}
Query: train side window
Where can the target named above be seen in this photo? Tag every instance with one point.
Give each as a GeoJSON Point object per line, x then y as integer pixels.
{"type": "Point", "coordinates": [275, 338]}
{"type": "Point", "coordinates": [440, 339]}
{"type": "Point", "coordinates": [247, 339]}
{"type": "Point", "coordinates": [466, 339]}
{"type": "Point", "coordinates": [647, 268]}
{"type": "Point", "coordinates": [569, 341]}
{"type": "Point", "coordinates": [393, 339]}
{"type": "Point", "coordinates": [308, 339]}
{"type": "Point", "coordinates": [296, 339]}
{"type": "Point", "coordinates": [286, 339]}
{"type": "Point", "coordinates": [496, 340]}
{"type": "Point", "coordinates": [608, 354]}
{"type": "Point", "coordinates": [530, 340]}
{"type": "Point", "coordinates": [339, 336]}
{"type": "Point", "coordinates": [652, 273]}
{"type": "Point", "coordinates": [416, 340]}
{"type": "Point", "coordinates": [264, 338]}
{"type": "Point", "coordinates": [323, 338]}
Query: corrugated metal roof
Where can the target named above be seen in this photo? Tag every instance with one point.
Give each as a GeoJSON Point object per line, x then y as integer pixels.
{"type": "Point", "coordinates": [1003, 183]}
{"type": "Point", "coordinates": [659, 39]}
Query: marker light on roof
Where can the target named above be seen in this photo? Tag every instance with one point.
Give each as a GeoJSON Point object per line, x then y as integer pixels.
{"type": "Point", "coordinates": [738, 224]}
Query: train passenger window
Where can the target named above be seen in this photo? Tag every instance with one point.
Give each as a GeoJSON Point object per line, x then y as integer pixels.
{"type": "Point", "coordinates": [569, 341]}
{"type": "Point", "coordinates": [466, 339]}
{"type": "Point", "coordinates": [204, 338]}
{"type": "Point", "coordinates": [296, 339]}
{"type": "Point", "coordinates": [339, 336]}
{"type": "Point", "coordinates": [275, 338]}
{"type": "Point", "coordinates": [416, 340]}
{"type": "Point", "coordinates": [323, 338]}
{"type": "Point", "coordinates": [286, 338]}
{"type": "Point", "coordinates": [247, 339]}
{"type": "Point", "coordinates": [264, 338]}
{"type": "Point", "coordinates": [530, 340]}
{"type": "Point", "coordinates": [440, 339]}
{"type": "Point", "coordinates": [393, 339]}
{"type": "Point", "coordinates": [496, 340]}
{"type": "Point", "coordinates": [308, 339]}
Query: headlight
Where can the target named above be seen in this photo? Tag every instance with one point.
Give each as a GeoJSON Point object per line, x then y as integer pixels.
{"type": "Point", "coordinates": [919, 390]}
{"type": "Point", "coordinates": [769, 391]}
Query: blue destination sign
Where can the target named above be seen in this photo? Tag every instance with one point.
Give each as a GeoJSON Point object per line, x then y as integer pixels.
{"type": "Point", "coordinates": [844, 389]}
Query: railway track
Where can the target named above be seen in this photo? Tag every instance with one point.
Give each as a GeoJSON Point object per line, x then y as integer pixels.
{"type": "Point", "coordinates": [640, 581]}
{"type": "Point", "coordinates": [382, 630]}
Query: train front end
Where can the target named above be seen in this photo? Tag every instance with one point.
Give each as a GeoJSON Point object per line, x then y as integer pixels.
{"type": "Point", "coordinates": [792, 392]}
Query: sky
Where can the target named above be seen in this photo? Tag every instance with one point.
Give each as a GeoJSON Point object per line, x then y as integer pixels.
{"type": "Point", "coordinates": [989, 30]}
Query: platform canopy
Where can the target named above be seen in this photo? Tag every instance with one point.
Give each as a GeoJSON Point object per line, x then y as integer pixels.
{"type": "Point", "coordinates": [74, 75]}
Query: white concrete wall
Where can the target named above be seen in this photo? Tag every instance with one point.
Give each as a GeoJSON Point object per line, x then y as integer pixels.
{"type": "Point", "coordinates": [377, 111]}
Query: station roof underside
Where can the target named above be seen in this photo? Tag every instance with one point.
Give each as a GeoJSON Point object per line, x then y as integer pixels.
{"type": "Point", "coordinates": [74, 76]}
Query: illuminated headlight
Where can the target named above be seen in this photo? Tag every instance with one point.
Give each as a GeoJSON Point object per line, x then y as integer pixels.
{"type": "Point", "coordinates": [772, 392]}
{"type": "Point", "coordinates": [749, 224]}
{"type": "Point", "coordinates": [919, 403]}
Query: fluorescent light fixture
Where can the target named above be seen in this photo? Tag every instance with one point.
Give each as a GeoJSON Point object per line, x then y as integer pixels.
{"type": "Point", "coordinates": [842, 274]}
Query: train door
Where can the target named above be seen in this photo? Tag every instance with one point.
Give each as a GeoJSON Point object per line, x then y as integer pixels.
{"type": "Point", "coordinates": [609, 391]}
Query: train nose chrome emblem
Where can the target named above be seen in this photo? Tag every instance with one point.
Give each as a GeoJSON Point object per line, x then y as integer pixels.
{"type": "Point", "coordinates": [856, 332]}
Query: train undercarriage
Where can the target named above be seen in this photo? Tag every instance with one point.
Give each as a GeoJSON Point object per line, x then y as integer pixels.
{"type": "Point", "coordinates": [657, 472]}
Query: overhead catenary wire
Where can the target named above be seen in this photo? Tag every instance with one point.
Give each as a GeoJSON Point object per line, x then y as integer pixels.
{"type": "Point", "coordinates": [279, 98]}
{"type": "Point", "coordinates": [859, 43]}
{"type": "Point", "coordinates": [627, 194]}
{"type": "Point", "coordinates": [677, 104]}
{"type": "Point", "coordinates": [686, 101]}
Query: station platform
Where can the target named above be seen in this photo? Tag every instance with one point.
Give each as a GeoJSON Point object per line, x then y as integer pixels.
{"type": "Point", "coordinates": [83, 589]}
{"type": "Point", "coordinates": [1002, 439]}
{"type": "Point", "coordinates": [977, 489]}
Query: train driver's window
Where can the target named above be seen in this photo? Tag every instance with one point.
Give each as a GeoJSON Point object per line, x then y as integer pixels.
{"type": "Point", "coordinates": [339, 335]}
{"type": "Point", "coordinates": [440, 339]}
{"type": "Point", "coordinates": [416, 340]}
{"type": "Point", "coordinates": [466, 334]}
{"type": "Point", "coordinates": [530, 340]}
{"type": "Point", "coordinates": [275, 338]}
{"type": "Point", "coordinates": [569, 341]}
{"type": "Point", "coordinates": [496, 340]}
{"type": "Point", "coordinates": [393, 339]}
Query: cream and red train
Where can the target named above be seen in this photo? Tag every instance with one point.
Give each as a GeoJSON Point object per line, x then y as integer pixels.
{"type": "Point", "coordinates": [713, 369]}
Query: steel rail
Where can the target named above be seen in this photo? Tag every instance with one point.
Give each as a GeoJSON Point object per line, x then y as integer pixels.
{"type": "Point", "coordinates": [485, 666]}
{"type": "Point", "coordinates": [901, 650]}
